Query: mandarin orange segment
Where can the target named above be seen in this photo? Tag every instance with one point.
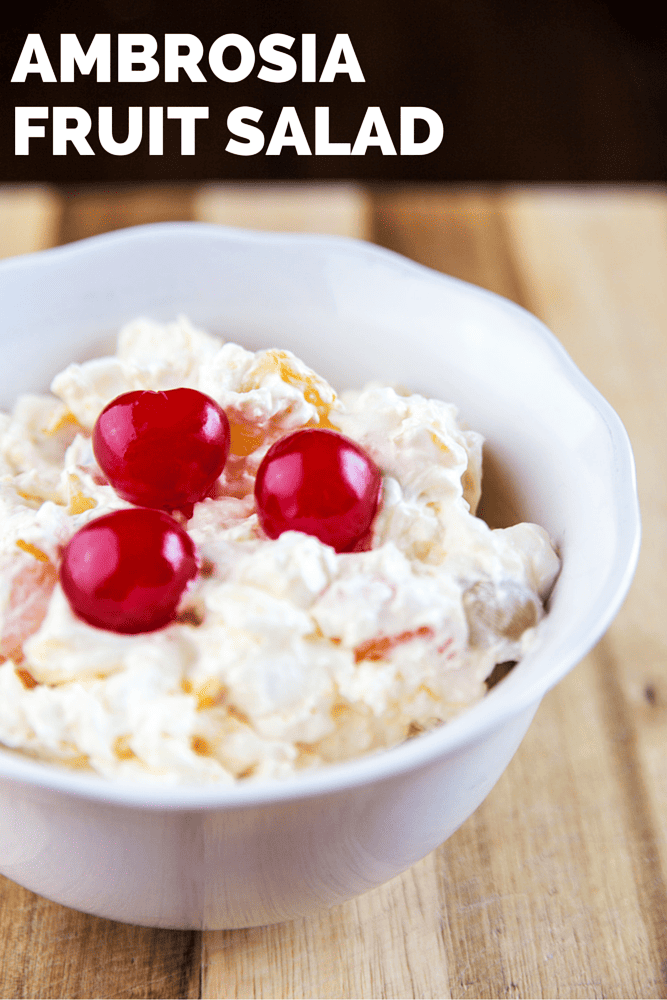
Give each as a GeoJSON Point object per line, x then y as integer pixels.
{"type": "Point", "coordinates": [245, 438]}
{"type": "Point", "coordinates": [32, 550]}
{"type": "Point", "coordinates": [379, 649]}
{"type": "Point", "coordinates": [79, 503]}
{"type": "Point", "coordinates": [277, 362]}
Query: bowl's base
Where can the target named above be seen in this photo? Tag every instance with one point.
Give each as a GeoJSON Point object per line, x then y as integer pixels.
{"type": "Point", "coordinates": [249, 865]}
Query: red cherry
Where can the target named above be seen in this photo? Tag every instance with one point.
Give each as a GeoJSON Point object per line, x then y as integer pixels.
{"type": "Point", "coordinates": [321, 483]}
{"type": "Point", "coordinates": [162, 449]}
{"type": "Point", "coordinates": [127, 571]}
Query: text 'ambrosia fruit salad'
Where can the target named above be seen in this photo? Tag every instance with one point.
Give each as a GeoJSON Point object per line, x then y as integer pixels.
{"type": "Point", "coordinates": [214, 568]}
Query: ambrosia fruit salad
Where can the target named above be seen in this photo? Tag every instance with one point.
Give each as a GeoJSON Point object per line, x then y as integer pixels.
{"type": "Point", "coordinates": [214, 568]}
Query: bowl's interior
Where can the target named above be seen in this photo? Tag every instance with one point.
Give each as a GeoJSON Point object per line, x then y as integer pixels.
{"type": "Point", "coordinates": [556, 453]}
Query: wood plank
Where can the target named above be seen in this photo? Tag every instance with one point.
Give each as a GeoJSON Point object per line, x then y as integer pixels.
{"type": "Point", "coordinates": [541, 898]}
{"type": "Point", "coordinates": [332, 208]}
{"type": "Point", "coordinates": [98, 209]}
{"type": "Point", "coordinates": [29, 219]}
{"type": "Point", "coordinates": [548, 888]}
{"type": "Point", "coordinates": [608, 305]}
{"type": "Point", "coordinates": [457, 231]}
{"type": "Point", "coordinates": [52, 951]}
{"type": "Point", "coordinates": [386, 943]}
{"type": "Point", "coordinates": [335, 209]}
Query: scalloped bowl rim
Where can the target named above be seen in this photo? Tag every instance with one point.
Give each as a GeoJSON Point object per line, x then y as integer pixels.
{"type": "Point", "coordinates": [473, 723]}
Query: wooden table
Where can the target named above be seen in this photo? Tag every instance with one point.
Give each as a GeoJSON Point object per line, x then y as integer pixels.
{"type": "Point", "coordinates": [557, 886]}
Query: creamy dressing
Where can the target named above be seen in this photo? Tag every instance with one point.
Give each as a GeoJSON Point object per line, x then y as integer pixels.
{"type": "Point", "coordinates": [285, 655]}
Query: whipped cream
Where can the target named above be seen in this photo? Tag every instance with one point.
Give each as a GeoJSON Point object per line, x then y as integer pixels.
{"type": "Point", "coordinates": [284, 655]}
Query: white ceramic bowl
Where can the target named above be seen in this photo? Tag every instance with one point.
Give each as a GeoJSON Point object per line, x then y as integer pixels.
{"type": "Point", "coordinates": [557, 454]}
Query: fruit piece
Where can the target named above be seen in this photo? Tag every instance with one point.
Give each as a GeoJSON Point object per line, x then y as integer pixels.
{"type": "Point", "coordinates": [319, 482]}
{"type": "Point", "coordinates": [29, 597]}
{"type": "Point", "coordinates": [162, 449]}
{"type": "Point", "coordinates": [127, 571]}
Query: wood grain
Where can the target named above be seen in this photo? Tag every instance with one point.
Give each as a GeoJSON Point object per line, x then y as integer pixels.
{"type": "Point", "coordinates": [332, 208]}
{"type": "Point", "coordinates": [364, 948]}
{"type": "Point", "coordinates": [91, 210]}
{"type": "Point", "coordinates": [610, 310]}
{"type": "Point", "coordinates": [29, 219]}
{"type": "Point", "coordinates": [556, 887]}
{"type": "Point", "coordinates": [51, 951]}
{"type": "Point", "coordinates": [573, 872]}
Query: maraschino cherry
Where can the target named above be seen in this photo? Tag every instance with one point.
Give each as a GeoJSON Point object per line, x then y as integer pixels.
{"type": "Point", "coordinates": [162, 449]}
{"type": "Point", "coordinates": [319, 482]}
{"type": "Point", "coordinates": [127, 571]}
